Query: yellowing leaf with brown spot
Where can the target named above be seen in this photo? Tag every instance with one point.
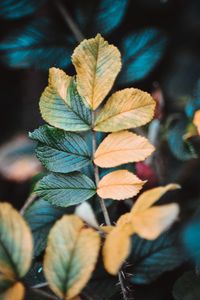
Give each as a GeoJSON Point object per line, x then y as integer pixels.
{"type": "Point", "coordinates": [15, 291]}
{"type": "Point", "coordinates": [150, 223]}
{"type": "Point", "coordinates": [116, 249]}
{"type": "Point", "coordinates": [71, 256]}
{"type": "Point", "coordinates": [125, 109]}
{"type": "Point", "coordinates": [148, 198]}
{"type": "Point", "coordinates": [97, 64]}
{"type": "Point", "coordinates": [119, 185]}
{"type": "Point", "coordinates": [120, 148]}
{"type": "Point", "coordinates": [15, 243]}
{"type": "Point", "coordinates": [196, 120]}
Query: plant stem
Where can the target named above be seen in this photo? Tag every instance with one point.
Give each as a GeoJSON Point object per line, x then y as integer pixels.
{"type": "Point", "coordinates": [45, 294]}
{"type": "Point", "coordinates": [70, 22]}
{"type": "Point", "coordinates": [102, 203]}
{"type": "Point", "coordinates": [27, 203]}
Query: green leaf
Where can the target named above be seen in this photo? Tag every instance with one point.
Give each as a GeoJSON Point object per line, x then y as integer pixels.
{"type": "Point", "coordinates": [64, 110]}
{"type": "Point", "coordinates": [150, 259]}
{"type": "Point", "coordinates": [60, 151]}
{"type": "Point", "coordinates": [71, 256]}
{"type": "Point", "coordinates": [10, 290]}
{"type": "Point", "coordinates": [41, 216]}
{"type": "Point", "coordinates": [15, 243]}
{"type": "Point", "coordinates": [187, 287]}
{"type": "Point", "coordinates": [65, 190]}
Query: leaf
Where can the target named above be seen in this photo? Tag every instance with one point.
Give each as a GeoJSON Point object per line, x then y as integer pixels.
{"type": "Point", "coordinates": [10, 290]}
{"type": "Point", "coordinates": [120, 148]}
{"type": "Point", "coordinates": [196, 120]}
{"type": "Point", "coordinates": [148, 198]}
{"type": "Point", "coordinates": [60, 151]}
{"type": "Point", "coordinates": [87, 214]}
{"type": "Point", "coordinates": [181, 149]}
{"type": "Point", "coordinates": [119, 185]}
{"type": "Point", "coordinates": [97, 64]}
{"type": "Point", "coordinates": [100, 16]}
{"type": "Point", "coordinates": [16, 9]}
{"type": "Point", "coordinates": [15, 243]}
{"type": "Point", "coordinates": [41, 216]}
{"type": "Point", "coordinates": [116, 249]}
{"type": "Point", "coordinates": [187, 287]}
{"type": "Point", "coordinates": [70, 257]}
{"type": "Point", "coordinates": [150, 223]}
{"type": "Point", "coordinates": [190, 237]}
{"type": "Point", "coordinates": [125, 109]}
{"type": "Point", "coordinates": [61, 106]}
{"type": "Point", "coordinates": [150, 259]}
{"type": "Point", "coordinates": [141, 51]}
{"type": "Point", "coordinates": [40, 44]}
{"type": "Point", "coordinates": [65, 190]}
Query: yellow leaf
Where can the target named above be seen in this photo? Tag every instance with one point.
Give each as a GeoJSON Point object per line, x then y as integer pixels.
{"type": "Point", "coordinates": [97, 64]}
{"type": "Point", "coordinates": [116, 249]}
{"type": "Point", "coordinates": [196, 120]}
{"type": "Point", "coordinates": [150, 223]}
{"type": "Point", "coordinates": [71, 256]}
{"type": "Point", "coordinates": [59, 81]}
{"type": "Point", "coordinates": [16, 241]}
{"type": "Point", "coordinates": [119, 185]}
{"type": "Point", "coordinates": [120, 148]}
{"type": "Point", "coordinates": [125, 109]}
{"type": "Point", "coordinates": [106, 229]}
{"type": "Point", "coordinates": [148, 198]}
{"type": "Point", "coordinates": [16, 291]}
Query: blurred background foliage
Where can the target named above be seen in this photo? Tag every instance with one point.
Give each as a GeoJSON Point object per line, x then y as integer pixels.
{"type": "Point", "coordinates": [160, 43]}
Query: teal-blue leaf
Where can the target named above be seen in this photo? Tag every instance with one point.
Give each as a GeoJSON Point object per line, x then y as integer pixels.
{"type": "Point", "coordinates": [100, 16]}
{"type": "Point", "coordinates": [16, 9]}
{"type": "Point", "coordinates": [141, 51]}
{"type": "Point", "coordinates": [150, 259]}
{"type": "Point", "coordinates": [65, 190]}
{"type": "Point", "coordinates": [60, 151]}
{"type": "Point", "coordinates": [41, 216]}
{"type": "Point", "coordinates": [40, 44]}
{"type": "Point", "coordinates": [187, 287]}
{"type": "Point", "coordinates": [181, 149]}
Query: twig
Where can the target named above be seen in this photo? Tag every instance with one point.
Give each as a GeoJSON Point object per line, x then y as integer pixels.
{"type": "Point", "coordinates": [40, 285]}
{"type": "Point", "coordinates": [45, 294]}
{"type": "Point", "coordinates": [27, 203]}
{"type": "Point", "coordinates": [70, 22]}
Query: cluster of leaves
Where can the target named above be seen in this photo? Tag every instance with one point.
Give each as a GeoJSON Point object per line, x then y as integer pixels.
{"type": "Point", "coordinates": [71, 105]}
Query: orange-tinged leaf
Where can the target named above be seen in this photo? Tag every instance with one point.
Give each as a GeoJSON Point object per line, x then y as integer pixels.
{"type": "Point", "coordinates": [106, 229]}
{"type": "Point", "coordinates": [119, 185]}
{"type": "Point", "coordinates": [116, 249]}
{"type": "Point", "coordinates": [71, 256]}
{"type": "Point", "coordinates": [16, 243]}
{"type": "Point", "coordinates": [14, 292]}
{"type": "Point", "coordinates": [120, 148]}
{"type": "Point", "coordinates": [97, 64]}
{"type": "Point", "coordinates": [125, 109]}
{"type": "Point", "coordinates": [148, 198]}
{"type": "Point", "coordinates": [150, 223]}
{"type": "Point", "coordinates": [196, 120]}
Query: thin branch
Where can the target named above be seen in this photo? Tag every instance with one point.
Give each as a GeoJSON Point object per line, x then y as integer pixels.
{"type": "Point", "coordinates": [40, 285]}
{"type": "Point", "coordinates": [45, 294]}
{"type": "Point", "coordinates": [28, 202]}
{"type": "Point", "coordinates": [70, 22]}
{"type": "Point", "coordinates": [102, 203]}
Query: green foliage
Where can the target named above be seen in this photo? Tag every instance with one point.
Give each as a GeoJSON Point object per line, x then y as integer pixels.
{"type": "Point", "coordinates": [150, 259]}
{"type": "Point", "coordinates": [60, 151]}
{"type": "Point", "coordinates": [65, 190]}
